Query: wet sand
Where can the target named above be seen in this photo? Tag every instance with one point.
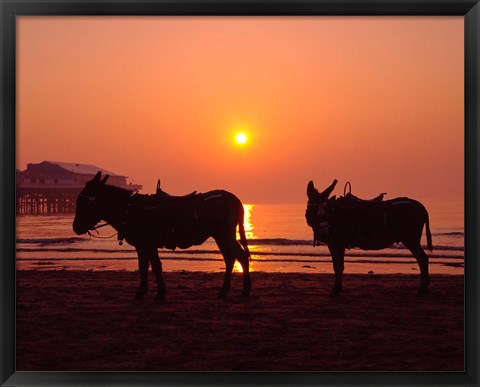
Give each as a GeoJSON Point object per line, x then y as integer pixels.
{"type": "Point", "coordinates": [88, 321]}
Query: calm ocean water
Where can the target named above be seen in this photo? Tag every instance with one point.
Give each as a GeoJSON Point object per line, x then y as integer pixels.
{"type": "Point", "coordinates": [279, 239]}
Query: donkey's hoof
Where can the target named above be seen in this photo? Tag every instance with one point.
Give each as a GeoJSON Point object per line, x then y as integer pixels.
{"type": "Point", "coordinates": [335, 292]}
{"type": "Point", "coordinates": [159, 297]}
{"type": "Point", "coordinates": [245, 293]}
{"type": "Point", "coordinates": [139, 294]}
{"type": "Point", "coordinates": [422, 291]}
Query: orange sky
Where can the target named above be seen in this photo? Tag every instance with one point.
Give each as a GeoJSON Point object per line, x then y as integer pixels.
{"type": "Point", "coordinates": [377, 101]}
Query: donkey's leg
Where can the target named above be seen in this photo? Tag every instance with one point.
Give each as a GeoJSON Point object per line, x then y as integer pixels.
{"type": "Point", "coordinates": [157, 270]}
{"type": "Point", "coordinates": [231, 250]}
{"type": "Point", "coordinates": [143, 269]}
{"type": "Point", "coordinates": [338, 257]}
{"type": "Point", "coordinates": [229, 262]}
{"type": "Point", "coordinates": [244, 259]}
{"type": "Point", "coordinates": [422, 260]}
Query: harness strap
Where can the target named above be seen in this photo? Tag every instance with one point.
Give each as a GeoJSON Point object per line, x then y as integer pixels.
{"type": "Point", "coordinates": [123, 226]}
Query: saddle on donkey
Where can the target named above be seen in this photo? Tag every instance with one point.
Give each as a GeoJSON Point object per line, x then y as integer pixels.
{"type": "Point", "coordinates": [359, 219]}
{"type": "Point", "coordinates": [173, 219]}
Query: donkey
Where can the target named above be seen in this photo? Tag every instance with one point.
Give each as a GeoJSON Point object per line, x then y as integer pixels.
{"type": "Point", "coordinates": [375, 224]}
{"type": "Point", "coordinates": [149, 222]}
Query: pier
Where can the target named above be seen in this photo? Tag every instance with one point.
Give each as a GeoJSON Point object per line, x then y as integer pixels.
{"type": "Point", "coordinates": [52, 187]}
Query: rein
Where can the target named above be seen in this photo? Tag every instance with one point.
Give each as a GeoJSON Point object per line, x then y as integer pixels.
{"type": "Point", "coordinates": [98, 236]}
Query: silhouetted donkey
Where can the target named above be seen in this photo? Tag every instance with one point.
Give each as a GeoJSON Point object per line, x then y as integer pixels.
{"type": "Point", "coordinates": [149, 222]}
{"type": "Point", "coordinates": [374, 224]}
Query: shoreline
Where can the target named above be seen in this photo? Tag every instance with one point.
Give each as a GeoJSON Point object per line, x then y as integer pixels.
{"type": "Point", "coordinates": [88, 321]}
{"type": "Point", "coordinates": [353, 265]}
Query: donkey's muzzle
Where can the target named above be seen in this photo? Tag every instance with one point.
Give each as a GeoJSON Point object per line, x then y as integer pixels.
{"type": "Point", "coordinates": [79, 229]}
{"type": "Point", "coordinates": [321, 234]}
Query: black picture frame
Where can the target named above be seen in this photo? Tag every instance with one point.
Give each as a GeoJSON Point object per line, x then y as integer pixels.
{"type": "Point", "coordinates": [10, 9]}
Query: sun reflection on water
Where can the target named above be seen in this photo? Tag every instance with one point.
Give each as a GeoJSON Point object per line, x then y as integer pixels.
{"type": "Point", "coordinates": [247, 222]}
{"type": "Point", "coordinates": [237, 268]}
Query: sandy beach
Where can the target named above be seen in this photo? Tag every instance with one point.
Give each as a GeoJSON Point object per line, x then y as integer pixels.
{"type": "Point", "coordinates": [88, 321]}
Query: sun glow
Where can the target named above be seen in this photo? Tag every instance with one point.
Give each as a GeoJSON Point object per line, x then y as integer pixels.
{"type": "Point", "coordinates": [241, 138]}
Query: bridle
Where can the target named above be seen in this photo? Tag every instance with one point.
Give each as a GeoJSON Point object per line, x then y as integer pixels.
{"type": "Point", "coordinates": [321, 208]}
{"type": "Point", "coordinates": [91, 201]}
{"type": "Point", "coordinates": [322, 221]}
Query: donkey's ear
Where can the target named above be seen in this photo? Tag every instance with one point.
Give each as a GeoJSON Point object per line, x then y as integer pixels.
{"type": "Point", "coordinates": [97, 177]}
{"type": "Point", "coordinates": [104, 180]}
{"type": "Point", "coordinates": [311, 189]}
{"type": "Point", "coordinates": [325, 194]}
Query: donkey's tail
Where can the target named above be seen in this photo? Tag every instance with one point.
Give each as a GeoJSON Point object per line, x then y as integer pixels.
{"type": "Point", "coordinates": [429, 234]}
{"type": "Point", "coordinates": [241, 232]}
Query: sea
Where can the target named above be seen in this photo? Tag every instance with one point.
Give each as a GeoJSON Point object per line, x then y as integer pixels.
{"type": "Point", "coordinates": [279, 241]}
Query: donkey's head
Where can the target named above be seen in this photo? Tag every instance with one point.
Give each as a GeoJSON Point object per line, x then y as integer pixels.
{"type": "Point", "coordinates": [315, 213]}
{"type": "Point", "coordinates": [87, 213]}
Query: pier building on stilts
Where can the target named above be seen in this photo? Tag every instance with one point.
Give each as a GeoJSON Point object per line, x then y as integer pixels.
{"type": "Point", "coordinates": [52, 187]}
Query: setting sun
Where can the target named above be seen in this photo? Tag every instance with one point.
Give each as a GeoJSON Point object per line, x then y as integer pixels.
{"type": "Point", "coordinates": [241, 138]}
